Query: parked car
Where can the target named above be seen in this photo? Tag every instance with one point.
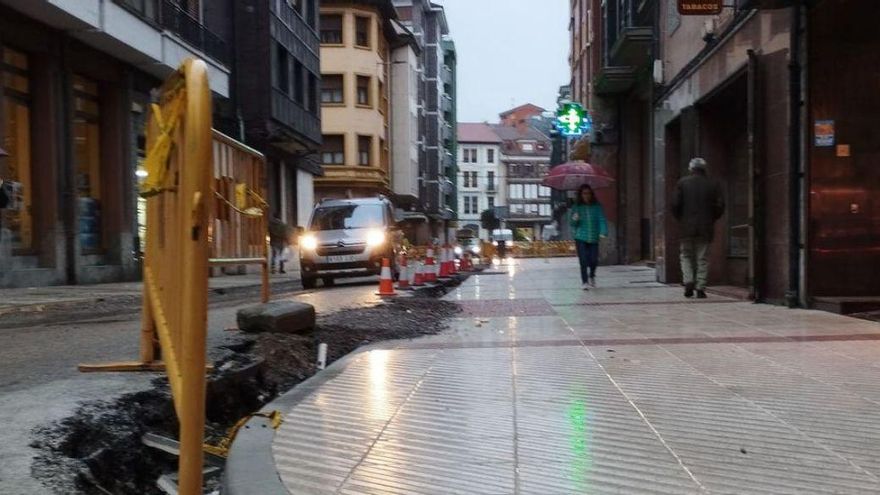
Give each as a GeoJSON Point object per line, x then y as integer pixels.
{"type": "Point", "coordinates": [348, 238]}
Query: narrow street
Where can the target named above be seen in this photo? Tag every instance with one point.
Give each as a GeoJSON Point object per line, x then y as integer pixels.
{"type": "Point", "coordinates": [40, 384]}
{"type": "Point", "coordinates": [542, 388]}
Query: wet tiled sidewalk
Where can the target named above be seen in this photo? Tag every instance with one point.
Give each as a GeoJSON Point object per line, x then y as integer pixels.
{"type": "Point", "coordinates": [541, 388]}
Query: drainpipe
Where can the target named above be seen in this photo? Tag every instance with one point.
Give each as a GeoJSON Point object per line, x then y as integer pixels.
{"type": "Point", "coordinates": [793, 296]}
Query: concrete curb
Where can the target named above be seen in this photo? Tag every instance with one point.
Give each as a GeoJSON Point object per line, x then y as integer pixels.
{"type": "Point", "coordinates": [250, 466]}
{"type": "Point", "coordinates": [277, 287]}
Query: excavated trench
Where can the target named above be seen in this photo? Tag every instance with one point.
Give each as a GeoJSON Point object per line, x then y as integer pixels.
{"type": "Point", "coordinates": [99, 449]}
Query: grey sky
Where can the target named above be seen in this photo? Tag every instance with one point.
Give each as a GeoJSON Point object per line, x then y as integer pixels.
{"type": "Point", "coordinates": [510, 52]}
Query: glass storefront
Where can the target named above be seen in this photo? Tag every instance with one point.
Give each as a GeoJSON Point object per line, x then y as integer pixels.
{"type": "Point", "coordinates": [87, 162]}
{"type": "Point", "coordinates": [16, 168]}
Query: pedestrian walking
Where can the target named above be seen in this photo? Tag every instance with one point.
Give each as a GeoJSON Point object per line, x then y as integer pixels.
{"type": "Point", "coordinates": [697, 205]}
{"type": "Point", "coordinates": [278, 240]}
{"type": "Point", "coordinates": [588, 225]}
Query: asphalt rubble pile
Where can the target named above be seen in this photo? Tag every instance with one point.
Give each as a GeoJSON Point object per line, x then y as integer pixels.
{"type": "Point", "coordinates": [99, 449]}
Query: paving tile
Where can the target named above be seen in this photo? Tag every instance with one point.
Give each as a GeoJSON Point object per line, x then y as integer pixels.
{"type": "Point", "coordinates": [542, 388]}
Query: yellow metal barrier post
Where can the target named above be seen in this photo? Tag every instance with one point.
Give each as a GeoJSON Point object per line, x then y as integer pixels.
{"type": "Point", "coordinates": [194, 188]}
{"type": "Point", "coordinates": [175, 302]}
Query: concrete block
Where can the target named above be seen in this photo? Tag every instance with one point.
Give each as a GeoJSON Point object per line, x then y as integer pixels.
{"type": "Point", "coordinates": [277, 317]}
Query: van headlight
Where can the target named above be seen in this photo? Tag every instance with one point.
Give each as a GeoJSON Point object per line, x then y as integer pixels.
{"type": "Point", "coordinates": [375, 238]}
{"type": "Point", "coordinates": [309, 242]}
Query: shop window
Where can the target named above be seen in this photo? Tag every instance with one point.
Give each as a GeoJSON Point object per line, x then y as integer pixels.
{"type": "Point", "coordinates": [365, 149]}
{"type": "Point", "coordinates": [362, 31]}
{"type": "Point", "coordinates": [331, 29]}
{"type": "Point", "coordinates": [332, 90]}
{"type": "Point", "coordinates": [333, 150]}
{"type": "Point", "coordinates": [87, 162]}
{"type": "Point", "coordinates": [16, 168]}
{"type": "Point", "coordinates": [363, 90]}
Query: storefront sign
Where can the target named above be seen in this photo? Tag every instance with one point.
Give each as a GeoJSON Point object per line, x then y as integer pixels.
{"type": "Point", "coordinates": [824, 130]}
{"type": "Point", "coordinates": [843, 150]}
{"type": "Point", "coordinates": [700, 7]}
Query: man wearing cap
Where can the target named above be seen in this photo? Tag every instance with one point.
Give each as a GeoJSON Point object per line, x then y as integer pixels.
{"type": "Point", "coordinates": [697, 205]}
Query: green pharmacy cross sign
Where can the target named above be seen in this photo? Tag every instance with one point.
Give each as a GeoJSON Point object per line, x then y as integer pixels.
{"type": "Point", "coordinates": [573, 120]}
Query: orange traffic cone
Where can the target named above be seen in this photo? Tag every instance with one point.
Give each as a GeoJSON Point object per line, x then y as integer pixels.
{"type": "Point", "coordinates": [430, 267]}
{"type": "Point", "coordinates": [419, 279]}
{"type": "Point", "coordinates": [453, 269]}
{"type": "Point", "coordinates": [386, 283]}
{"type": "Point", "coordinates": [444, 261]}
{"type": "Point", "coordinates": [403, 279]}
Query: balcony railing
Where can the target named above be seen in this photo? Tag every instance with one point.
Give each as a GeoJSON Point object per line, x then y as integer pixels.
{"type": "Point", "coordinates": [628, 33]}
{"type": "Point", "coordinates": [192, 31]}
{"type": "Point", "coordinates": [293, 115]}
{"type": "Point", "coordinates": [167, 14]}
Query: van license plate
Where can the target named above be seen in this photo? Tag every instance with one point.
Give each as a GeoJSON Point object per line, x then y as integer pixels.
{"type": "Point", "coordinates": [341, 259]}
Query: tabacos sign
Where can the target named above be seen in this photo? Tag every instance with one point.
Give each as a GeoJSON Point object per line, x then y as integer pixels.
{"type": "Point", "coordinates": [700, 7]}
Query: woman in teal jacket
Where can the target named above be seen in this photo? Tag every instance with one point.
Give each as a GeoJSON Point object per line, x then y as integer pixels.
{"type": "Point", "coordinates": [588, 225]}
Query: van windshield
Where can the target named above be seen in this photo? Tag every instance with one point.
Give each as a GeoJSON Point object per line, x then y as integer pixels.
{"type": "Point", "coordinates": [346, 217]}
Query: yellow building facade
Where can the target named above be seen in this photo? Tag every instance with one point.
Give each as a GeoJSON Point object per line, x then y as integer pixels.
{"type": "Point", "coordinates": [354, 100]}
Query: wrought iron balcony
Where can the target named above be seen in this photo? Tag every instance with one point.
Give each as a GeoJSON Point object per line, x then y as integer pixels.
{"type": "Point", "coordinates": [168, 15]}
{"type": "Point", "coordinates": [629, 34]}
{"type": "Point", "coordinates": [192, 31]}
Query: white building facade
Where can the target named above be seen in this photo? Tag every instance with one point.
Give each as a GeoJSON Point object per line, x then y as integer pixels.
{"type": "Point", "coordinates": [525, 162]}
{"type": "Point", "coordinates": [481, 181]}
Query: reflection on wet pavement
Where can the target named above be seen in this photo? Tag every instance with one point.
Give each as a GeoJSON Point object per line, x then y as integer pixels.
{"type": "Point", "coordinates": [542, 388]}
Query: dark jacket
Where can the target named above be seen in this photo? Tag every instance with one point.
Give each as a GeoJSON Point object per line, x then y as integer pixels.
{"type": "Point", "coordinates": [4, 198]}
{"type": "Point", "coordinates": [697, 205]}
{"type": "Point", "coordinates": [278, 233]}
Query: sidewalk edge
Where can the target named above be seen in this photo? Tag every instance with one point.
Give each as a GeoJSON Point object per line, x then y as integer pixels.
{"type": "Point", "coordinates": [250, 466]}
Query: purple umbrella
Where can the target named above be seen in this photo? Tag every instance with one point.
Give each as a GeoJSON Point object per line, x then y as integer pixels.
{"type": "Point", "coordinates": [572, 175]}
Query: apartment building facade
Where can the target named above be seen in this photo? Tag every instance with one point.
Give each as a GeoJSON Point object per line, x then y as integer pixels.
{"type": "Point", "coordinates": [525, 161]}
{"type": "Point", "coordinates": [77, 82]}
{"type": "Point", "coordinates": [355, 98]}
{"type": "Point", "coordinates": [481, 178]}
{"type": "Point", "coordinates": [276, 95]}
{"type": "Point", "coordinates": [427, 21]}
{"type": "Point", "coordinates": [774, 94]}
